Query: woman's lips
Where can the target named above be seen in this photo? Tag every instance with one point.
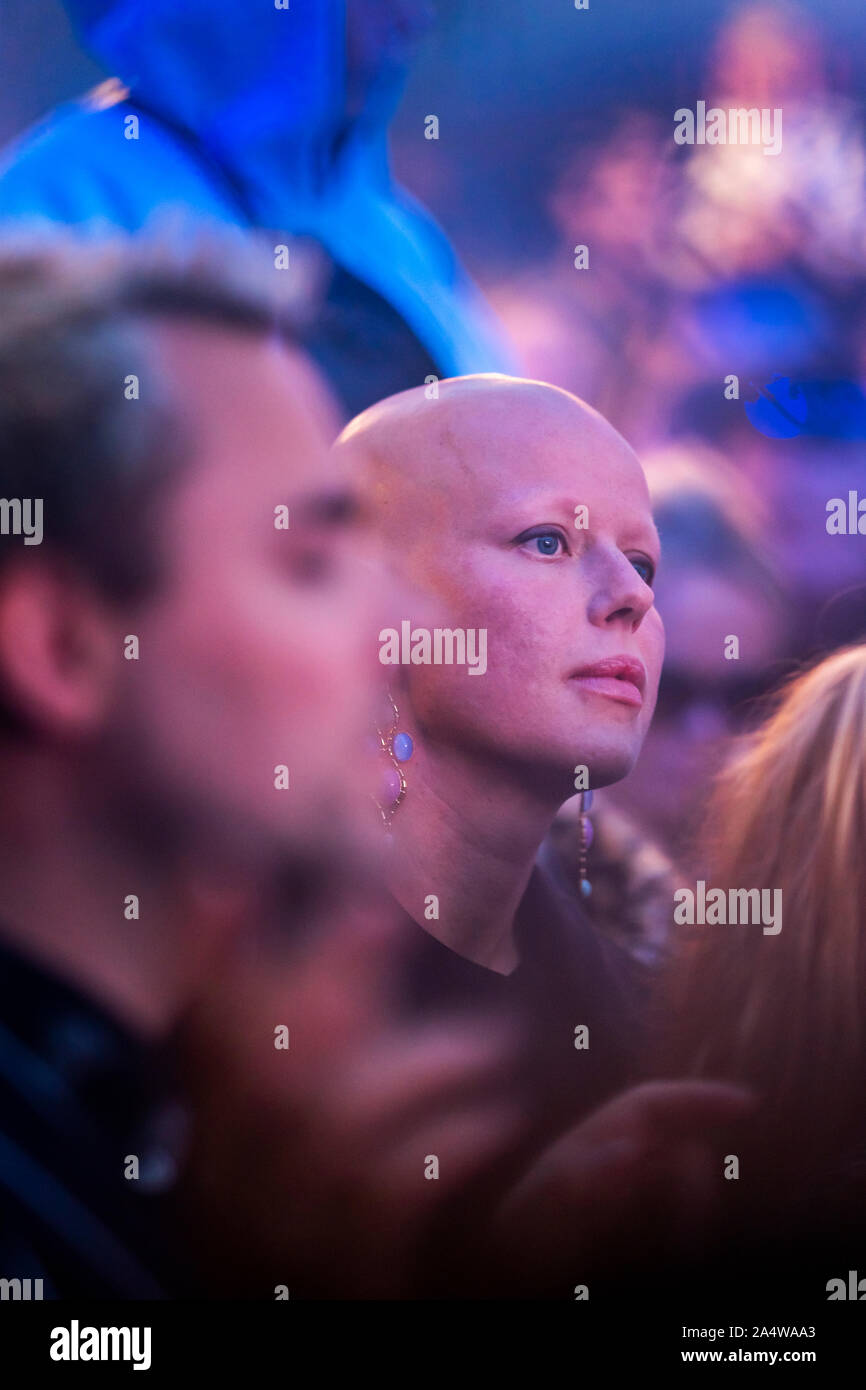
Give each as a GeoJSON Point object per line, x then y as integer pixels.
{"type": "Point", "coordinates": [611, 686]}
{"type": "Point", "coordinates": [621, 678]}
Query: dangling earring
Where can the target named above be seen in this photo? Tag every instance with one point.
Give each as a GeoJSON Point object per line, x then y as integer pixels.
{"type": "Point", "coordinates": [586, 837]}
{"type": "Point", "coordinates": [398, 747]}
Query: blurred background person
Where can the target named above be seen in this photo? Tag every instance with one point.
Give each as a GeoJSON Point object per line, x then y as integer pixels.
{"type": "Point", "coordinates": [599, 332]}
{"type": "Point", "coordinates": [783, 1011]}
{"type": "Point", "coordinates": [167, 653]}
{"type": "Point", "coordinates": [274, 119]}
{"type": "Point", "coordinates": [746, 214]}
{"type": "Point", "coordinates": [673, 232]}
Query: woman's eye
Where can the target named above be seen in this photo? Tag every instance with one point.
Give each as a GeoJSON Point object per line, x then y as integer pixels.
{"type": "Point", "coordinates": [549, 544]}
{"type": "Point", "coordinates": [645, 568]}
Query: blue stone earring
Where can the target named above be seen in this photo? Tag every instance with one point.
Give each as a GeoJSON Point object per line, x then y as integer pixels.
{"type": "Point", "coordinates": [398, 748]}
{"type": "Point", "coordinates": [586, 837]}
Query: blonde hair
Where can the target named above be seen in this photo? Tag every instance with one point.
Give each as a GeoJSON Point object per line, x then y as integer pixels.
{"type": "Point", "coordinates": [787, 1013]}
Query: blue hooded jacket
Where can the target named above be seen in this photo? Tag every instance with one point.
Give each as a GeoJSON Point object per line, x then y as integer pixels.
{"type": "Point", "coordinates": [256, 116]}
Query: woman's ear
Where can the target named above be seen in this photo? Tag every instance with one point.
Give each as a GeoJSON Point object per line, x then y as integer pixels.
{"type": "Point", "coordinates": [59, 649]}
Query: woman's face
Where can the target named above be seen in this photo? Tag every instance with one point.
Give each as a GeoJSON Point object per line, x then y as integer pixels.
{"type": "Point", "coordinates": [523, 513]}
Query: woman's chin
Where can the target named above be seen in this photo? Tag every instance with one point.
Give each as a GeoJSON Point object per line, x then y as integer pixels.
{"type": "Point", "coordinates": [607, 763]}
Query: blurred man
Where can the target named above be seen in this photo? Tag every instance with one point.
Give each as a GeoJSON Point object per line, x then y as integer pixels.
{"type": "Point", "coordinates": [272, 118]}
{"type": "Point", "coordinates": [182, 694]}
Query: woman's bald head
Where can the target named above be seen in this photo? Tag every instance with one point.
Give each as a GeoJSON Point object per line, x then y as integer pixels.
{"type": "Point", "coordinates": [519, 510]}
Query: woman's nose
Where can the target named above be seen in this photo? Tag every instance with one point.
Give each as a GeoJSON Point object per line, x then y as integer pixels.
{"type": "Point", "coordinates": [620, 596]}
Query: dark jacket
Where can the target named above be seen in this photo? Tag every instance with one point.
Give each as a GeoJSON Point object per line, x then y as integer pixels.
{"type": "Point", "coordinates": [79, 1098]}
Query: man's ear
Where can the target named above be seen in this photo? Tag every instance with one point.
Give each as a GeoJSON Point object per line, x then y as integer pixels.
{"type": "Point", "coordinates": [59, 650]}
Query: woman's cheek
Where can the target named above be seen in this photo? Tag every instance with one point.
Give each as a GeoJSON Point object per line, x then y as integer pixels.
{"type": "Point", "coordinates": [652, 650]}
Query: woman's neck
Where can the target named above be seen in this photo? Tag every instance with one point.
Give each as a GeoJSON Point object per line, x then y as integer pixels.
{"type": "Point", "coordinates": [464, 844]}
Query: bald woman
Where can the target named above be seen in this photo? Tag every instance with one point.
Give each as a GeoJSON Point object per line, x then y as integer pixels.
{"type": "Point", "coordinates": [513, 515]}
